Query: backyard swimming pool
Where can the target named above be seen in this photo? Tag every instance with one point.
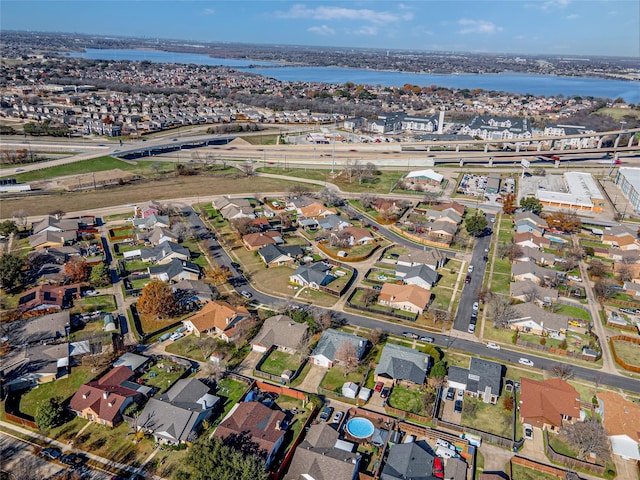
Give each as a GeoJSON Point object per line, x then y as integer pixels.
{"type": "Point", "coordinates": [360, 427]}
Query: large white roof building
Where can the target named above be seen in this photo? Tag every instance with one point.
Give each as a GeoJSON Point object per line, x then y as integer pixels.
{"type": "Point", "coordinates": [582, 193]}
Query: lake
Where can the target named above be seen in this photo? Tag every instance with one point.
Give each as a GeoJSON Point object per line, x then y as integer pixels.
{"type": "Point", "coordinates": [538, 85]}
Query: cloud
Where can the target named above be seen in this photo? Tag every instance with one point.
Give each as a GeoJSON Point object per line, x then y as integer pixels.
{"type": "Point", "coordinates": [549, 5]}
{"type": "Point", "coordinates": [477, 26]}
{"type": "Point", "coordinates": [325, 13]}
{"type": "Point", "coordinates": [208, 11]}
{"type": "Point", "coordinates": [366, 30]}
{"type": "Point", "coordinates": [322, 30]}
{"type": "Point", "coordinates": [573, 16]}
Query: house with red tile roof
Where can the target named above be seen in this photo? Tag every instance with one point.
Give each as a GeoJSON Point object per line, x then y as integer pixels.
{"type": "Point", "coordinates": [256, 424]}
{"type": "Point", "coordinates": [103, 401]}
{"type": "Point", "coordinates": [549, 404]}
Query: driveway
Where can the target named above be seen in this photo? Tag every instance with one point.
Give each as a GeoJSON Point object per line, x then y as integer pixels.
{"type": "Point", "coordinates": [249, 363]}
{"type": "Point", "coordinates": [313, 379]}
{"type": "Point", "coordinates": [625, 468]}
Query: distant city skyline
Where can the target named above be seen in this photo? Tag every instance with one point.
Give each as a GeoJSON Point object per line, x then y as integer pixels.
{"type": "Point", "coordinates": [551, 27]}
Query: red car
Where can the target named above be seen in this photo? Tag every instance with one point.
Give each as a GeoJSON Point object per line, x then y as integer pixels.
{"type": "Point", "coordinates": [379, 386]}
{"type": "Point", "coordinates": [374, 227]}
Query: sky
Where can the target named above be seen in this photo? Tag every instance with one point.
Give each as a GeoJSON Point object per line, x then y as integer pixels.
{"type": "Point", "coordinates": [553, 27]}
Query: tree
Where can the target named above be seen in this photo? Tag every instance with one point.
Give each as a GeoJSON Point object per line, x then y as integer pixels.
{"type": "Point", "coordinates": [220, 274]}
{"type": "Point", "coordinates": [625, 273]}
{"type": "Point", "coordinates": [10, 270]}
{"type": "Point", "coordinates": [330, 196]}
{"type": "Point", "coordinates": [565, 221]}
{"type": "Point", "coordinates": [21, 217]}
{"type": "Point", "coordinates": [531, 204]}
{"type": "Point", "coordinates": [368, 297]}
{"type": "Point", "coordinates": [58, 213]}
{"type": "Point", "coordinates": [562, 370]}
{"type": "Point", "coordinates": [76, 270]}
{"type": "Point", "coordinates": [509, 204]}
{"type": "Point", "coordinates": [438, 371]}
{"type": "Point", "coordinates": [603, 290]}
{"type": "Point", "coordinates": [211, 458]}
{"type": "Point", "coordinates": [597, 268]}
{"type": "Point", "coordinates": [501, 310]}
{"type": "Point", "coordinates": [100, 276]}
{"type": "Point", "coordinates": [513, 252]}
{"type": "Point", "coordinates": [247, 168]}
{"type": "Point", "coordinates": [374, 336]}
{"type": "Point", "coordinates": [8, 227]}
{"type": "Point", "coordinates": [347, 355]}
{"type": "Point", "coordinates": [366, 199]}
{"type": "Point", "coordinates": [476, 225]}
{"type": "Point", "coordinates": [50, 414]}
{"type": "Point", "coordinates": [508, 403]}
{"type": "Point", "coordinates": [243, 226]}
{"type": "Point", "coordinates": [157, 299]}
{"type": "Point", "coordinates": [588, 437]}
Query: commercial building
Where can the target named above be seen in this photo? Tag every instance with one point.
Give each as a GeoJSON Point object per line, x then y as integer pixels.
{"type": "Point", "coordinates": [628, 179]}
{"type": "Point", "coordinates": [580, 193]}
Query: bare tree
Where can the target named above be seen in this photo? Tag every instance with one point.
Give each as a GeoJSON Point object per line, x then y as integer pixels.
{"type": "Point", "coordinates": [20, 216]}
{"type": "Point", "coordinates": [597, 268]}
{"type": "Point", "coordinates": [347, 355]}
{"type": "Point", "coordinates": [375, 336]}
{"type": "Point", "coordinates": [625, 274]}
{"type": "Point", "coordinates": [562, 370]}
{"type": "Point", "coordinates": [322, 319]}
{"type": "Point", "coordinates": [330, 196]}
{"type": "Point", "coordinates": [603, 290]}
{"type": "Point", "coordinates": [214, 370]}
{"type": "Point", "coordinates": [207, 346]}
{"type": "Point", "coordinates": [247, 168]}
{"type": "Point", "coordinates": [369, 296]}
{"type": "Point", "coordinates": [367, 199]}
{"type": "Point", "coordinates": [179, 229]}
{"type": "Point", "coordinates": [531, 293]}
{"type": "Point", "coordinates": [303, 349]}
{"type": "Point", "coordinates": [501, 310]}
{"type": "Point", "coordinates": [588, 437]}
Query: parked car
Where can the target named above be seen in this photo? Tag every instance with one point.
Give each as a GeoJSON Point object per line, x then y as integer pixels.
{"type": "Point", "coordinates": [337, 417]}
{"type": "Point", "coordinates": [493, 346]}
{"type": "Point", "coordinates": [176, 336]}
{"type": "Point", "coordinates": [246, 294]}
{"type": "Point", "coordinates": [377, 287]}
{"type": "Point", "coordinates": [51, 453]}
{"type": "Point", "coordinates": [72, 460]}
{"type": "Point", "coordinates": [443, 443]}
{"type": "Point", "coordinates": [379, 386]}
{"type": "Point", "coordinates": [476, 305]}
{"type": "Point", "coordinates": [427, 339]}
{"type": "Point", "coordinates": [528, 431]}
{"type": "Point", "coordinates": [450, 393]}
{"type": "Point", "coordinates": [90, 293]}
{"type": "Point", "coordinates": [326, 414]}
{"type": "Point", "coordinates": [458, 406]}
{"type": "Point", "coordinates": [467, 279]}
{"type": "Point", "coordinates": [385, 392]}
{"type": "Point", "coordinates": [471, 328]}
{"type": "Point", "coordinates": [470, 269]}
{"type": "Point", "coordinates": [459, 394]}
{"type": "Point", "coordinates": [410, 335]}
{"type": "Point", "coordinates": [525, 361]}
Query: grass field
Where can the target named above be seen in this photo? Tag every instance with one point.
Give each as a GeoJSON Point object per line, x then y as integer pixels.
{"type": "Point", "coordinates": [618, 113]}
{"type": "Point", "coordinates": [114, 443]}
{"type": "Point", "coordinates": [573, 312]}
{"type": "Point", "coordinates": [162, 375]}
{"type": "Point", "coordinates": [87, 166]}
{"type": "Point", "coordinates": [406, 399]}
{"type": "Point", "coordinates": [104, 303]}
{"type": "Point", "coordinates": [168, 188]}
{"type": "Point", "coordinates": [518, 472]}
{"type": "Point", "coordinates": [628, 352]}
{"type": "Point", "coordinates": [278, 361]}
{"type": "Point", "coordinates": [380, 183]}
{"type": "Point", "coordinates": [335, 378]}
{"type": "Point", "coordinates": [489, 418]}
{"type": "Point", "coordinates": [63, 388]}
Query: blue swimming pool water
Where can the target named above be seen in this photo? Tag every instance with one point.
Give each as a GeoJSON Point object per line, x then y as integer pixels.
{"type": "Point", "coordinates": [360, 427]}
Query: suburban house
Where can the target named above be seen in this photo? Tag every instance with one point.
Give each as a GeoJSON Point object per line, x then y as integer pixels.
{"type": "Point", "coordinates": [386, 206]}
{"type": "Point", "coordinates": [48, 239]}
{"type": "Point", "coordinates": [255, 241]}
{"type": "Point", "coordinates": [530, 271]}
{"type": "Point", "coordinates": [356, 236]}
{"type": "Point", "coordinates": [161, 254]}
{"type": "Point", "coordinates": [282, 332]}
{"type": "Point", "coordinates": [432, 258]}
{"type": "Point", "coordinates": [535, 255]}
{"type": "Point", "coordinates": [412, 461]}
{"type": "Point", "coordinates": [442, 230]}
{"type": "Point", "coordinates": [621, 237]}
{"type": "Point", "coordinates": [315, 275]}
{"type": "Point", "coordinates": [526, 239]}
{"type": "Point", "coordinates": [402, 365]}
{"type": "Point", "coordinates": [420, 275]}
{"type": "Point", "coordinates": [529, 318]}
{"type": "Point", "coordinates": [449, 216]}
{"type": "Point", "coordinates": [632, 288]}
{"type": "Point", "coordinates": [315, 210]}
{"type": "Point", "coordinates": [322, 455]}
{"type": "Point", "coordinates": [621, 420]}
{"type": "Point", "coordinates": [529, 222]}
{"type": "Point", "coordinates": [549, 404]}
{"type": "Point", "coordinates": [333, 222]}
{"type": "Point", "coordinates": [53, 232]}
{"type": "Point", "coordinates": [424, 177]}
{"type": "Point", "coordinates": [175, 271]}
{"type": "Point", "coordinates": [40, 363]}
{"type": "Point", "coordinates": [220, 319]}
{"type": "Point", "coordinates": [410, 298]}
{"type": "Point", "coordinates": [453, 205]}
{"type": "Point", "coordinates": [42, 329]}
{"type": "Point", "coordinates": [152, 208]}
{"type": "Point", "coordinates": [276, 256]}
{"type": "Point", "coordinates": [177, 415]}
{"type": "Point", "coordinates": [258, 424]}
{"type": "Point", "coordinates": [335, 345]}
{"type": "Point", "coordinates": [104, 400]}
{"type": "Point", "coordinates": [157, 236]}
{"type": "Point", "coordinates": [234, 208]}
{"type": "Point", "coordinates": [152, 221]}
{"type": "Point", "coordinates": [192, 291]}
{"type": "Point", "coordinates": [528, 291]}
{"type": "Point", "coordinates": [132, 361]}
{"type": "Point", "coordinates": [483, 379]}
{"type": "Point", "coordinates": [48, 298]}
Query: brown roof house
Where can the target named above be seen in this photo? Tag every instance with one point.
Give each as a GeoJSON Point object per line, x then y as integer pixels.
{"type": "Point", "coordinates": [316, 210]}
{"type": "Point", "coordinates": [48, 298]}
{"type": "Point", "coordinates": [548, 404]}
{"type": "Point", "coordinates": [621, 419]}
{"type": "Point", "coordinates": [529, 318]}
{"type": "Point", "coordinates": [526, 239]}
{"type": "Point", "coordinates": [255, 241]}
{"type": "Point", "coordinates": [253, 424]}
{"type": "Point", "coordinates": [410, 298]}
{"type": "Point", "coordinates": [282, 332]}
{"type": "Point", "coordinates": [221, 319]}
{"type": "Point", "coordinates": [455, 206]}
{"type": "Point", "coordinates": [104, 400]}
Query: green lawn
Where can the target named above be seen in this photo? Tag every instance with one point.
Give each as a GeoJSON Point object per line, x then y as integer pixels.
{"type": "Point", "coordinates": [335, 378]}
{"type": "Point", "coordinates": [573, 312]}
{"type": "Point", "coordinates": [518, 472]}
{"type": "Point", "coordinates": [300, 378]}
{"type": "Point", "coordinates": [162, 375]}
{"type": "Point", "coordinates": [628, 352]}
{"type": "Point", "coordinates": [279, 361]}
{"type": "Point", "coordinates": [104, 303]}
{"type": "Point", "coordinates": [409, 400]}
{"type": "Point", "coordinates": [187, 347]}
{"type": "Point", "coordinates": [500, 283]}
{"type": "Point", "coordinates": [380, 183]}
{"type": "Point", "coordinates": [502, 266]}
{"type": "Point", "coordinates": [488, 417]}
{"type": "Point", "coordinates": [63, 388]}
{"type": "Point", "coordinates": [88, 166]}
{"type": "Point", "coordinates": [137, 265]}
{"type": "Point", "coordinates": [230, 392]}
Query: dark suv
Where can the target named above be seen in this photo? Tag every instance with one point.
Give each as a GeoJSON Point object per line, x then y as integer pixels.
{"type": "Point", "coordinates": [326, 414]}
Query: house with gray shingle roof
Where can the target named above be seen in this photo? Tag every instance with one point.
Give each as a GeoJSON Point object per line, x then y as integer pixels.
{"type": "Point", "coordinates": [177, 415]}
{"type": "Point", "coordinates": [483, 379]}
{"type": "Point", "coordinates": [174, 271]}
{"type": "Point", "coordinates": [403, 365]}
{"type": "Point", "coordinates": [315, 275]}
{"type": "Point", "coordinates": [277, 255]}
{"type": "Point", "coordinates": [331, 342]}
{"type": "Point", "coordinates": [410, 461]}
{"type": "Point", "coordinates": [420, 275]}
{"type": "Point", "coordinates": [280, 331]}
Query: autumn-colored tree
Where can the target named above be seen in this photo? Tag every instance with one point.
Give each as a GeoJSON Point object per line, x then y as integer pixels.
{"type": "Point", "coordinates": [508, 403]}
{"type": "Point", "coordinates": [220, 274]}
{"type": "Point", "coordinates": [76, 270]}
{"type": "Point", "coordinates": [157, 299]}
{"type": "Point", "coordinates": [567, 222]}
{"type": "Point", "coordinates": [509, 203]}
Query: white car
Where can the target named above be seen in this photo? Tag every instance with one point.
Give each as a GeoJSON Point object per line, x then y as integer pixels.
{"type": "Point", "coordinates": [476, 305]}
{"type": "Point", "coordinates": [470, 269]}
{"type": "Point", "coordinates": [528, 431]}
{"type": "Point", "coordinates": [493, 346]}
{"type": "Point", "coordinates": [443, 443]}
{"type": "Point", "coordinates": [91, 293]}
{"type": "Point", "coordinates": [525, 361]}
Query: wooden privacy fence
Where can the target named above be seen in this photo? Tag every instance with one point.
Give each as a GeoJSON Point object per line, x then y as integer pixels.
{"type": "Point", "coordinates": [570, 461]}
{"type": "Point", "coordinates": [622, 363]}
